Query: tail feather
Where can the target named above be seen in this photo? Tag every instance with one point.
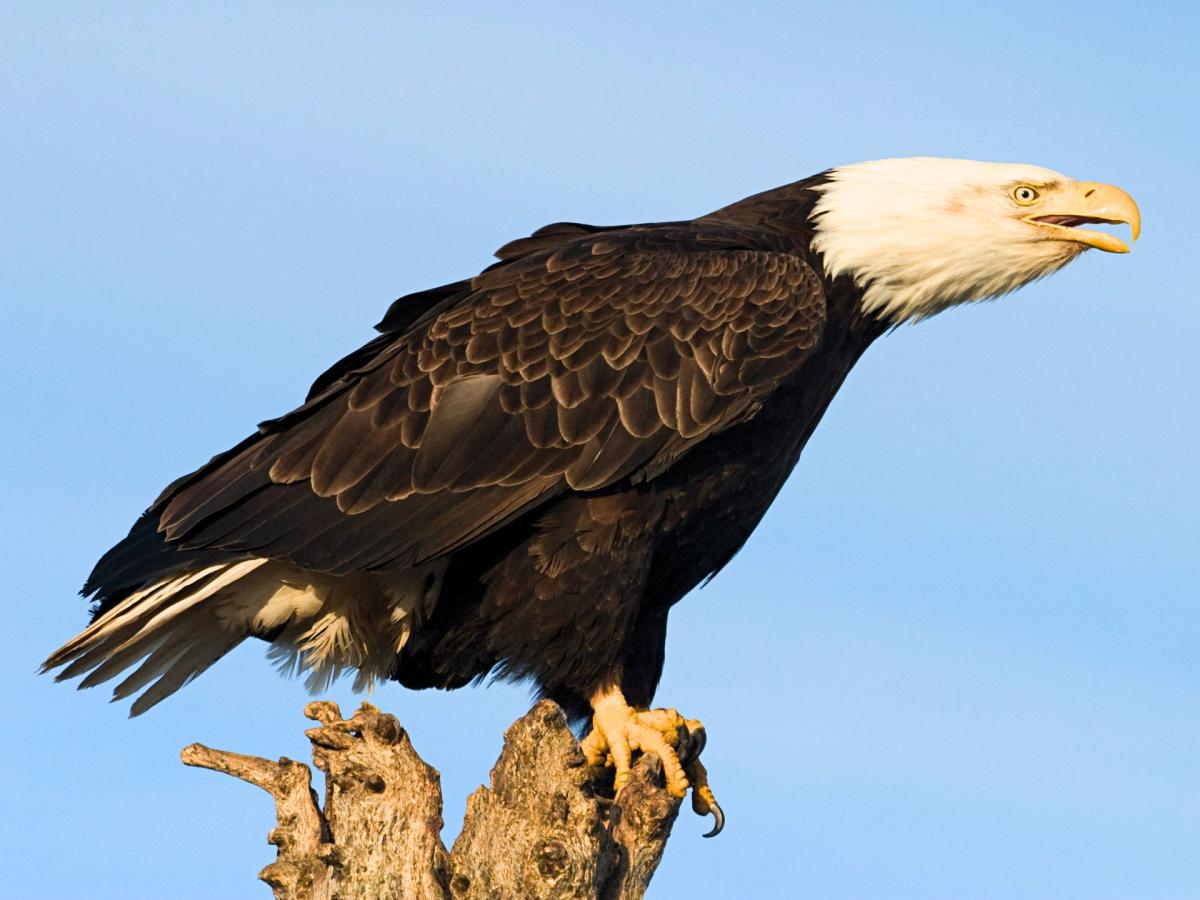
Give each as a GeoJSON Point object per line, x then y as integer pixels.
{"type": "Point", "coordinates": [163, 657]}
{"type": "Point", "coordinates": [172, 630]}
{"type": "Point", "coordinates": [191, 663]}
{"type": "Point", "coordinates": [202, 592]}
{"type": "Point", "coordinates": [120, 660]}
{"type": "Point", "coordinates": [123, 620]}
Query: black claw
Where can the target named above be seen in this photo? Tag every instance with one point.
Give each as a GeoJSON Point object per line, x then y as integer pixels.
{"type": "Point", "coordinates": [719, 820]}
{"type": "Point", "coordinates": [699, 741]}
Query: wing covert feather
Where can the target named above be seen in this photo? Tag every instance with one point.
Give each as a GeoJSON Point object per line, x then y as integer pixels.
{"type": "Point", "coordinates": [570, 367]}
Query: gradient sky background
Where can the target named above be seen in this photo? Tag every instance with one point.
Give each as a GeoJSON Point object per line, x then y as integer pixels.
{"type": "Point", "coordinates": [960, 658]}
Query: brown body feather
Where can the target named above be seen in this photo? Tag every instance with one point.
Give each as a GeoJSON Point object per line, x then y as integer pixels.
{"type": "Point", "coordinates": [574, 438]}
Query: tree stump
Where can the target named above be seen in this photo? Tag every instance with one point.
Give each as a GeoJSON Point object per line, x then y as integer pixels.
{"type": "Point", "coordinates": [544, 829]}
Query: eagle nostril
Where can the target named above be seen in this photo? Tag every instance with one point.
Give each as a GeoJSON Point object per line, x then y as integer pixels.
{"type": "Point", "coordinates": [1089, 193]}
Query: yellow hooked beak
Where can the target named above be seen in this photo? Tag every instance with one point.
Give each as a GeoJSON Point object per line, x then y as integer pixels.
{"type": "Point", "coordinates": [1084, 203]}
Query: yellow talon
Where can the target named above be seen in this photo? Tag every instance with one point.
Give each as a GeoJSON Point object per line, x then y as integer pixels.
{"type": "Point", "coordinates": [703, 801]}
{"type": "Point", "coordinates": [618, 730]}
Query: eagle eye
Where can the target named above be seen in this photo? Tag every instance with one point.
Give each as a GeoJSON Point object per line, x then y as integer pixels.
{"type": "Point", "coordinates": [1024, 194]}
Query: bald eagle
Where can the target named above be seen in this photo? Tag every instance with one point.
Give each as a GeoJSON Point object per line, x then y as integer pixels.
{"type": "Point", "coordinates": [526, 469]}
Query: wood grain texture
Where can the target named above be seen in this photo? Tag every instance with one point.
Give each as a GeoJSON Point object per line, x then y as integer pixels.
{"type": "Point", "coordinates": [542, 829]}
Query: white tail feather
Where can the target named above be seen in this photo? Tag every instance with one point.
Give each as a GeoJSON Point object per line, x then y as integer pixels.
{"type": "Point", "coordinates": [178, 627]}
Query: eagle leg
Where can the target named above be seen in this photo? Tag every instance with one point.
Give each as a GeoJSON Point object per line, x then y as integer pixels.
{"type": "Point", "coordinates": [618, 729]}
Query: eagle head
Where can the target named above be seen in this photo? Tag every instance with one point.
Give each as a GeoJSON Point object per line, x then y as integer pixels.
{"type": "Point", "coordinates": [922, 234]}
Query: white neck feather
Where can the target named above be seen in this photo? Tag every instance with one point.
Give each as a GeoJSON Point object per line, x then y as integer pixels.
{"type": "Point", "coordinates": [923, 234]}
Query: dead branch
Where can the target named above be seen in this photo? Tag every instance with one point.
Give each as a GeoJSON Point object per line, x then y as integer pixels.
{"type": "Point", "coordinates": [543, 829]}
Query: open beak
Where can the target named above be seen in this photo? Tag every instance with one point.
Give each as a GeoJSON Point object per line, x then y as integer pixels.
{"type": "Point", "coordinates": [1086, 203]}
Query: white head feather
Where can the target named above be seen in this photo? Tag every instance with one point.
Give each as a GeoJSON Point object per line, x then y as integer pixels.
{"type": "Point", "coordinates": [924, 234]}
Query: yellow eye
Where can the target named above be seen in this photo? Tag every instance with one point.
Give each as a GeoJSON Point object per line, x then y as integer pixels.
{"type": "Point", "coordinates": [1024, 194]}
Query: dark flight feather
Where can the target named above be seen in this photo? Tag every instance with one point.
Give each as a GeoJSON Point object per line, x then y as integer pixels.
{"type": "Point", "coordinates": [530, 423]}
{"type": "Point", "coordinates": [646, 302]}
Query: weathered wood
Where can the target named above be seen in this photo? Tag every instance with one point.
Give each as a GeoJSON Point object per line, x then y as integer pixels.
{"type": "Point", "coordinates": [543, 829]}
{"type": "Point", "coordinates": [383, 805]}
{"type": "Point", "coordinates": [301, 868]}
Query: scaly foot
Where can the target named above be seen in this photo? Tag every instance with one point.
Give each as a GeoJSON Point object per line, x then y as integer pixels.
{"type": "Point", "coordinates": [618, 729]}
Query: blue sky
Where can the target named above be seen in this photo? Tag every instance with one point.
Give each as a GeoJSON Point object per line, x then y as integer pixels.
{"type": "Point", "coordinates": [958, 659]}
